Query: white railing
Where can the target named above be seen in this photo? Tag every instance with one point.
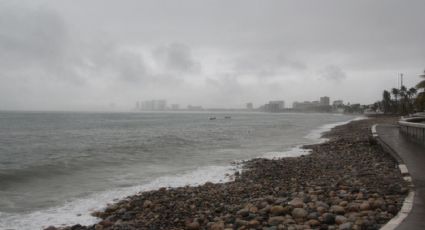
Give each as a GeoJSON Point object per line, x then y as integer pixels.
{"type": "Point", "coordinates": [414, 127]}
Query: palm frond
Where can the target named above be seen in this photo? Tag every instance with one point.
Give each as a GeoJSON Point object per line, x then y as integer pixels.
{"type": "Point", "coordinates": [421, 85]}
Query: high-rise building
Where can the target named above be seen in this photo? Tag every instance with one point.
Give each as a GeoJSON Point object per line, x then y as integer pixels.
{"type": "Point", "coordinates": [337, 103]}
{"type": "Point", "coordinates": [153, 105]}
{"type": "Point", "coordinates": [274, 106]}
{"type": "Point", "coordinates": [324, 100]}
{"type": "Point", "coordinates": [302, 105]}
{"type": "Point", "coordinates": [159, 105]}
{"type": "Point", "coordinates": [279, 104]}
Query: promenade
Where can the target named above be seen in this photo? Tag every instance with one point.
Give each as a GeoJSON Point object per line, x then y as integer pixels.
{"type": "Point", "coordinates": [412, 154]}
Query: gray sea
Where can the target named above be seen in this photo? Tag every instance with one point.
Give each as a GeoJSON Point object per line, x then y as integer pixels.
{"type": "Point", "coordinates": [57, 167]}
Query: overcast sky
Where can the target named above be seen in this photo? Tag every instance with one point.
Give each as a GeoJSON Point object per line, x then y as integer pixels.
{"type": "Point", "coordinates": [88, 55]}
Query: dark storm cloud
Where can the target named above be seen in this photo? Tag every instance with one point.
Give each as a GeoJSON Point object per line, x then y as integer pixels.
{"type": "Point", "coordinates": [185, 49]}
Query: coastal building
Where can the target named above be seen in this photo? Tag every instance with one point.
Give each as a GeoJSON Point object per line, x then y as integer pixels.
{"type": "Point", "coordinates": [313, 106]}
{"type": "Point", "coordinates": [306, 105]}
{"type": "Point", "coordinates": [337, 103]}
{"type": "Point", "coordinates": [194, 108]}
{"type": "Point", "coordinates": [153, 105]}
{"type": "Point", "coordinates": [274, 106]}
{"type": "Point", "coordinates": [301, 105]}
{"type": "Point", "coordinates": [175, 107]}
{"type": "Point", "coordinates": [249, 106]}
{"type": "Point", "coordinates": [325, 101]}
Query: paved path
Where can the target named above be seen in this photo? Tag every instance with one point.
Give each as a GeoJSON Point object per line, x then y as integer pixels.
{"type": "Point", "coordinates": [413, 155]}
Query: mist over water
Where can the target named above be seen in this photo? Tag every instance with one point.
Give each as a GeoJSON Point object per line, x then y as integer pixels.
{"type": "Point", "coordinates": [65, 164]}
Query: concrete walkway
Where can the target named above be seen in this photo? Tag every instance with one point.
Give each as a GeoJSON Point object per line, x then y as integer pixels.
{"type": "Point", "coordinates": [413, 156]}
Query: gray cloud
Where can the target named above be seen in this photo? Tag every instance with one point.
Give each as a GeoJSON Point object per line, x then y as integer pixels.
{"type": "Point", "coordinates": [86, 55]}
{"type": "Point", "coordinates": [267, 64]}
{"type": "Point", "coordinates": [333, 73]}
{"type": "Point", "coordinates": [36, 42]}
{"type": "Point", "coordinates": [176, 57]}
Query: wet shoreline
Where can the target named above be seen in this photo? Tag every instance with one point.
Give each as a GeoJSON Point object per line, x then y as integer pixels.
{"type": "Point", "coordinates": [348, 182]}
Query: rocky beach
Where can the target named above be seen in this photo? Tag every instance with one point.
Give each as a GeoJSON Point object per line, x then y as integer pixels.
{"type": "Point", "coordinates": [347, 182]}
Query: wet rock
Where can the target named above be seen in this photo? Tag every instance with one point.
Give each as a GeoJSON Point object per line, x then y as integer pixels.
{"type": "Point", "coordinates": [297, 203]}
{"type": "Point", "coordinates": [345, 226]}
{"type": "Point", "coordinates": [321, 210]}
{"type": "Point", "coordinates": [378, 203]}
{"type": "Point", "coordinates": [243, 212]}
{"type": "Point", "coordinates": [253, 223]}
{"type": "Point", "coordinates": [322, 204]}
{"type": "Point", "coordinates": [147, 204]}
{"type": "Point", "coordinates": [353, 207]}
{"type": "Point", "coordinates": [106, 223]}
{"type": "Point", "coordinates": [313, 216]}
{"type": "Point", "coordinates": [394, 188]}
{"type": "Point", "coordinates": [51, 228]}
{"type": "Point", "coordinates": [299, 213]}
{"type": "Point", "coordinates": [193, 225]}
{"type": "Point", "coordinates": [276, 220]}
{"type": "Point", "coordinates": [217, 226]}
{"type": "Point", "coordinates": [364, 206]}
{"type": "Point", "coordinates": [277, 210]}
{"type": "Point", "coordinates": [313, 223]}
{"type": "Point", "coordinates": [392, 209]}
{"type": "Point", "coordinates": [340, 219]}
{"type": "Point", "coordinates": [337, 209]}
{"type": "Point", "coordinates": [240, 222]}
{"type": "Point", "coordinates": [328, 218]}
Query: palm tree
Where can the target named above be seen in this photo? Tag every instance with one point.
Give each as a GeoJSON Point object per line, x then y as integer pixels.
{"type": "Point", "coordinates": [403, 99]}
{"type": "Point", "coordinates": [420, 99]}
{"type": "Point", "coordinates": [396, 93]}
{"type": "Point", "coordinates": [386, 101]}
{"type": "Point", "coordinates": [411, 94]}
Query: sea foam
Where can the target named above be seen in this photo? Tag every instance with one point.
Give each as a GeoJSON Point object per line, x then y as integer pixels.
{"type": "Point", "coordinates": [314, 137]}
{"type": "Point", "coordinates": [78, 211]}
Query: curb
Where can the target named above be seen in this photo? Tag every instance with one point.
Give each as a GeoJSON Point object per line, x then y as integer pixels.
{"type": "Point", "coordinates": [408, 201]}
{"type": "Point", "coordinates": [384, 145]}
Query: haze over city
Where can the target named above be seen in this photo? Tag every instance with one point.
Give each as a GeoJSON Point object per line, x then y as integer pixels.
{"type": "Point", "coordinates": [90, 55]}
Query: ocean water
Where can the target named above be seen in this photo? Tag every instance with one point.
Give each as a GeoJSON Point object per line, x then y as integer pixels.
{"type": "Point", "coordinates": [56, 167]}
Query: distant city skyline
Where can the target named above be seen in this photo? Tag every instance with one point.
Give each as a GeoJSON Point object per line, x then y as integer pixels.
{"type": "Point", "coordinates": [270, 106]}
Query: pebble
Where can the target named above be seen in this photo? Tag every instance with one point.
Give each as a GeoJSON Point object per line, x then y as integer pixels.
{"type": "Point", "coordinates": [193, 225]}
{"type": "Point", "coordinates": [337, 209]}
{"type": "Point", "coordinates": [278, 210]}
{"type": "Point", "coordinates": [275, 220]}
{"type": "Point", "coordinates": [299, 213]}
{"type": "Point", "coordinates": [340, 219]}
{"type": "Point", "coordinates": [345, 226]}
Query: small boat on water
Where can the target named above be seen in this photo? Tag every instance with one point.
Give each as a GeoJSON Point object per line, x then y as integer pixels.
{"type": "Point", "coordinates": [227, 117]}
{"type": "Point", "coordinates": [212, 118]}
